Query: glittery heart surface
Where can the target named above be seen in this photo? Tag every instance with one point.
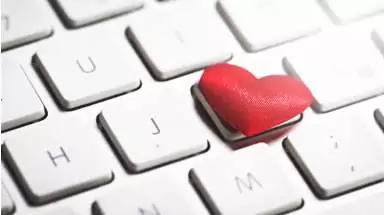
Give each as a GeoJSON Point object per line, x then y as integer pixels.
{"type": "Point", "coordinates": [251, 105]}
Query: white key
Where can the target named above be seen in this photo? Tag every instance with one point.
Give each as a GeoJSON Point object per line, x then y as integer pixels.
{"type": "Point", "coordinates": [178, 42]}
{"type": "Point", "coordinates": [23, 21]}
{"type": "Point", "coordinates": [146, 199]}
{"type": "Point", "coordinates": [246, 182]}
{"type": "Point", "coordinates": [84, 71]}
{"type": "Point", "coordinates": [62, 161]}
{"type": "Point", "coordinates": [260, 24]}
{"type": "Point", "coordinates": [337, 156]}
{"type": "Point", "coordinates": [20, 103]}
{"type": "Point", "coordinates": [336, 75]}
{"type": "Point", "coordinates": [7, 206]}
{"type": "Point", "coordinates": [343, 11]}
{"type": "Point", "coordinates": [78, 13]}
{"type": "Point", "coordinates": [148, 135]}
{"type": "Point", "coordinates": [372, 205]}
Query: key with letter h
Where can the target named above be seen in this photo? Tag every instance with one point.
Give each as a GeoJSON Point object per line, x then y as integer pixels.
{"type": "Point", "coordinates": [65, 164]}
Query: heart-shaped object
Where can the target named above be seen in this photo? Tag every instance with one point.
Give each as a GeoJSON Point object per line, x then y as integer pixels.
{"type": "Point", "coordinates": [250, 105]}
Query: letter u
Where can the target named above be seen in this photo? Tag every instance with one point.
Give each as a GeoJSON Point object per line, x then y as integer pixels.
{"type": "Point", "coordinates": [91, 69]}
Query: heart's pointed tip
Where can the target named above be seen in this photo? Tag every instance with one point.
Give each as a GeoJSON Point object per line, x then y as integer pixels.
{"type": "Point", "coordinates": [250, 132]}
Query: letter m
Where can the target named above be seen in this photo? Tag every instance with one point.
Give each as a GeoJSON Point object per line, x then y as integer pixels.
{"type": "Point", "coordinates": [247, 183]}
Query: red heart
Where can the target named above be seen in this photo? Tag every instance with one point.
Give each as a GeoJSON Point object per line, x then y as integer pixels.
{"type": "Point", "coordinates": [252, 105]}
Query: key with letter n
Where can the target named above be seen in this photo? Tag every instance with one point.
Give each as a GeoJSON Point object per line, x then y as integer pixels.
{"type": "Point", "coordinates": [246, 182]}
{"type": "Point", "coordinates": [161, 197]}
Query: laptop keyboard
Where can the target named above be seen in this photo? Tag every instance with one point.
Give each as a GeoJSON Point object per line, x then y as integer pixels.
{"type": "Point", "coordinates": [98, 115]}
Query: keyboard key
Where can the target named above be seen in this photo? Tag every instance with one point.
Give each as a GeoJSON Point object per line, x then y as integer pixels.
{"type": "Point", "coordinates": [7, 206]}
{"type": "Point", "coordinates": [336, 75]}
{"type": "Point", "coordinates": [261, 24]}
{"type": "Point", "coordinates": [84, 72]}
{"type": "Point", "coordinates": [337, 156]}
{"type": "Point", "coordinates": [145, 199]}
{"type": "Point", "coordinates": [23, 21]}
{"type": "Point", "coordinates": [20, 103]}
{"type": "Point", "coordinates": [343, 11]}
{"type": "Point", "coordinates": [247, 182]}
{"type": "Point", "coordinates": [62, 160]}
{"type": "Point", "coordinates": [78, 13]}
{"type": "Point", "coordinates": [186, 36]}
{"type": "Point", "coordinates": [372, 205]}
{"type": "Point", "coordinates": [148, 135]}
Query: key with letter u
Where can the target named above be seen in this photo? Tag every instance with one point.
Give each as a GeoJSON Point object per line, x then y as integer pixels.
{"type": "Point", "coordinates": [85, 72]}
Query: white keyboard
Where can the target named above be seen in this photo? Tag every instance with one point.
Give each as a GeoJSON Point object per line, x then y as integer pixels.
{"type": "Point", "coordinates": [98, 115]}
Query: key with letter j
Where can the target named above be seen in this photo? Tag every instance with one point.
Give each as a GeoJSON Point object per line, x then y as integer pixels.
{"type": "Point", "coordinates": [151, 134]}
